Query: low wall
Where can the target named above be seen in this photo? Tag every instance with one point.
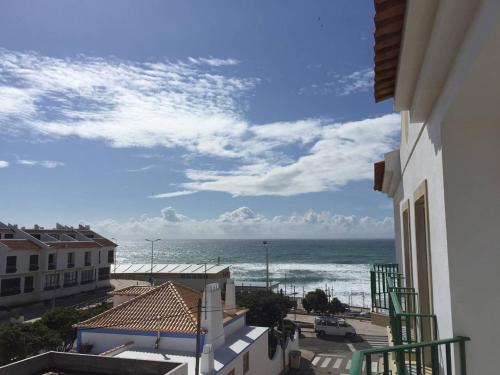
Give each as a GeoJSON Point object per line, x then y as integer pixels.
{"type": "Point", "coordinates": [90, 364]}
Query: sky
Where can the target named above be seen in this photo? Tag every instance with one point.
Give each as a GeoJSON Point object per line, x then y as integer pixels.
{"type": "Point", "coordinates": [193, 119]}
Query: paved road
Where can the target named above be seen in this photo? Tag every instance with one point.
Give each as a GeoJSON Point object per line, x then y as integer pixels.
{"type": "Point", "coordinates": [333, 355]}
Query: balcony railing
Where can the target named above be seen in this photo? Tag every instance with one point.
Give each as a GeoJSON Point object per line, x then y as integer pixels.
{"type": "Point", "coordinates": [415, 346]}
{"type": "Point", "coordinates": [381, 360]}
{"type": "Point", "coordinates": [71, 265]}
{"type": "Point", "coordinates": [34, 267]}
{"type": "Point", "coordinates": [380, 287]}
{"type": "Point", "coordinates": [51, 266]}
{"type": "Point", "coordinates": [68, 284]}
{"type": "Point", "coordinates": [10, 269]}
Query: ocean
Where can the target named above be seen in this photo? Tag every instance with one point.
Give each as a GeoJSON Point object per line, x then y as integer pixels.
{"type": "Point", "coordinates": [342, 265]}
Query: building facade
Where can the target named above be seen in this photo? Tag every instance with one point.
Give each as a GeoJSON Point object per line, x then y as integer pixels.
{"type": "Point", "coordinates": [42, 264]}
{"type": "Point", "coordinates": [439, 61]}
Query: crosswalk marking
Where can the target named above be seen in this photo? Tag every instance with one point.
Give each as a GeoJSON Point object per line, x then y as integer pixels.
{"type": "Point", "coordinates": [337, 363]}
{"type": "Point", "coordinates": [315, 361]}
{"type": "Point", "coordinates": [326, 362]}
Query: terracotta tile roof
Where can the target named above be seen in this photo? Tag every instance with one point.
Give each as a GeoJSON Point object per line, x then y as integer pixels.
{"type": "Point", "coordinates": [104, 242]}
{"type": "Point", "coordinates": [134, 290]}
{"type": "Point", "coordinates": [20, 244]}
{"type": "Point", "coordinates": [389, 22]}
{"type": "Point", "coordinates": [169, 307]}
{"type": "Point", "coordinates": [73, 245]}
{"type": "Point", "coordinates": [378, 180]}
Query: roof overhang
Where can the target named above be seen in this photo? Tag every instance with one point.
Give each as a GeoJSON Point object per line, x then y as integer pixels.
{"type": "Point", "coordinates": [387, 174]}
{"type": "Point", "coordinates": [389, 21]}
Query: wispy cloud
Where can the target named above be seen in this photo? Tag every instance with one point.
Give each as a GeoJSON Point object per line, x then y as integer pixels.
{"type": "Point", "coordinates": [142, 169]}
{"type": "Point", "coordinates": [342, 85]}
{"type": "Point", "coordinates": [174, 194]}
{"type": "Point", "coordinates": [245, 223]}
{"type": "Point", "coordinates": [42, 163]}
{"type": "Point", "coordinates": [192, 106]}
{"type": "Point", "coordinates": [4, 164]}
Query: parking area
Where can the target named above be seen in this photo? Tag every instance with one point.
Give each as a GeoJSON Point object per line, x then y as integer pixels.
{"type": "Point", "coordinates": [332, 355]}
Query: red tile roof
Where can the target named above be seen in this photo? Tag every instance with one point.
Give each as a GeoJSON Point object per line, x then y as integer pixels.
{"type": "Point", "coordinates": [167, 308]}
{"type": "Point", "coordinates": [104, 242]}
{"type": "Point", "coordinates": [20, 244]}
{"type": "Point", "coordinates": [73, 245]}
{"type": "Point", "coordinates": [389, 22]}
{"type": "Point", "coordinates": [134, 290]}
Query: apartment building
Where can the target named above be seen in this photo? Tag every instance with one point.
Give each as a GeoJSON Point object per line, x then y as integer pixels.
{"type": "Point", "coordinates": [40, 264]}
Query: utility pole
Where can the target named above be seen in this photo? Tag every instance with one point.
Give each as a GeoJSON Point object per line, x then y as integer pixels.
{"type": "Point", "coordinates": [283, 342]}
{"type": "Point", "coordinates": [152, 257]}
{"type": "Point", "coordinates": [285, 284]}
{"type": "Point", "coordinates": [267, 264]}
{"type": "Point", "coordinates": [198, 334]}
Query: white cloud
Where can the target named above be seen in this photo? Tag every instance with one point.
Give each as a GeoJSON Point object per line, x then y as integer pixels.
{"type": "Point", "coordinates": [42, 163]}
{"type": "Point", "coordinates": [4, 164]}
{"type": "Point", "coordinates": [344, 152]}
{"type": "Point", "coordinates": [190, 105]}
{"type": "Point", "coordinates": [142, 169]}
{"type": "Point", "coordinates": [358, 81]}
{"type": "Point", "coordinates": [244, 223]}
{"type": "Point", "coordinates": [174, 194]}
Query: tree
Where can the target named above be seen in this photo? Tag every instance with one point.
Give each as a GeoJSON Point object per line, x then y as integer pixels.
{"type": "Point", "coordinates": [316, 300]}
{"type": "Point", "coordinates": [265, 308]}
{"type": "Point", "coordinates": [336, 307]}
{"type": "Point", "coordinates": [21, 340]}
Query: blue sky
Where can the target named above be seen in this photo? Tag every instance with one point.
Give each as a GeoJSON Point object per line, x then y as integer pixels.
{"type": "Point", "coordinates": [231, 114]}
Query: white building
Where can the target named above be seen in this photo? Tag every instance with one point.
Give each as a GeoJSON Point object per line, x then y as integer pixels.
{"type": "Point", "coordinates": [42, 264]}
{"type": "Point", "coordinates": [192, 275]}
{"type": "Point", "coordinates": [440, 62]}
{"type": "Point", "coordinates": [161, 324]}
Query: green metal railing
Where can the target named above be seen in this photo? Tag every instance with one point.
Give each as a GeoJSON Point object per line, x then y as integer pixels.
{"type": "Point", "coordinates": [415, 341]}
{"type": "Point", "coordinates": [380, 287]}
{"type": "Point", "coordinates": [414, 361]}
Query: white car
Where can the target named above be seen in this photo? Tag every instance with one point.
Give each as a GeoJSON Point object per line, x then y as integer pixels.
{"type": "Point", "coordinates": [333, 326]}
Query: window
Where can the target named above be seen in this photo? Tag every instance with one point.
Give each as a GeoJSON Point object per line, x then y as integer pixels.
{"type": "Point", "coordinates": [52, 261]}
{"type": "Point", "coordinates": [71, 260]}
{"type": "Point", "coordinates": [99, 256]}
{"type": "Point", "coordinates": [33, 262]}
{"type": "Point", "coordinates": [52, 281]}
{"type": "Point", "coordinates": [87, 276]}
{"type": "Point", "coordinates": [70, 278]}
{"type": "Point", "coordinates": [104, 273]}
{"type": "Point", "coordinates": [111, 256]}
{"type": "Point", "coordinates": [231, 372]}
{"type": "Point", "coordinates": [11, 264]}
{"type": "Point", "coordinates": [9, 287]}
{"type": "Point", "coordinates": [87, 258]}
{"type": "Point", "coordinates": [8, 236]}
{"type": "Point", "coordinates": [28, 284]}
{"type": "Point", "coordinates": [246, 362]}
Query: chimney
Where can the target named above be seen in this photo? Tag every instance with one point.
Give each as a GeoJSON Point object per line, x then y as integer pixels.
{"type": "Point", "coordinates": [37, 227]}
{"type": "Point", "coordinates": [211, 316]}
{"type": "Point", "coordinates": [207, 360]}
{"type": "Point", "coordinates": [230, 305]}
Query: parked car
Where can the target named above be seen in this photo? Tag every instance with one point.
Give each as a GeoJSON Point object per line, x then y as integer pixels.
{"type": "Point", "coordinates": [333, 326]}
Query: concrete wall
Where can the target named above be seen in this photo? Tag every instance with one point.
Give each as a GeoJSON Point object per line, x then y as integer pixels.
{"type": "Point", "coordinates": [103, 340]}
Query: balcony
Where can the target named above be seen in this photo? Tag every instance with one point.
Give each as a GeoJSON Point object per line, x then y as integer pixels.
{"type": "Point", "coordinates": [29, 290]}
{"type": "Point", "coordinates": [71, 265]}
{"type": "Point", "coordinates": [10, 269]}
{"type": "Point", "coordinates": [87, 264]}
{"type": "Point", "coordinates": [51, 287]}
{"type": "Point", "coordinates": [34, 267]}
{"type": "Point", "coordinates": [70, 284]}
{"type": "Point", "coordinates": [52, 266]}
{"type": "Point", "coordinates": [415, 347]}
{"type": "Point", "coordinates": [10, 291]}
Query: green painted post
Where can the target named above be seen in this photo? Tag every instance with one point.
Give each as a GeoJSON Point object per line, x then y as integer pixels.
{"type": "Point", "coordinates": [463, 361]}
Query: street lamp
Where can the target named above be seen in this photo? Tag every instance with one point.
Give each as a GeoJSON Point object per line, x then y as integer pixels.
{"type": "Point", "coordinates": [267, 264]}
{"type": "Point", "coordinates": [152, 254]}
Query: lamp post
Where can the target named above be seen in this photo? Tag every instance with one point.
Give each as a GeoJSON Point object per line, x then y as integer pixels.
{"type": "Point", "coordinates": [267, 264]}
{"type": "Point", "coordinates": [152, 254]}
